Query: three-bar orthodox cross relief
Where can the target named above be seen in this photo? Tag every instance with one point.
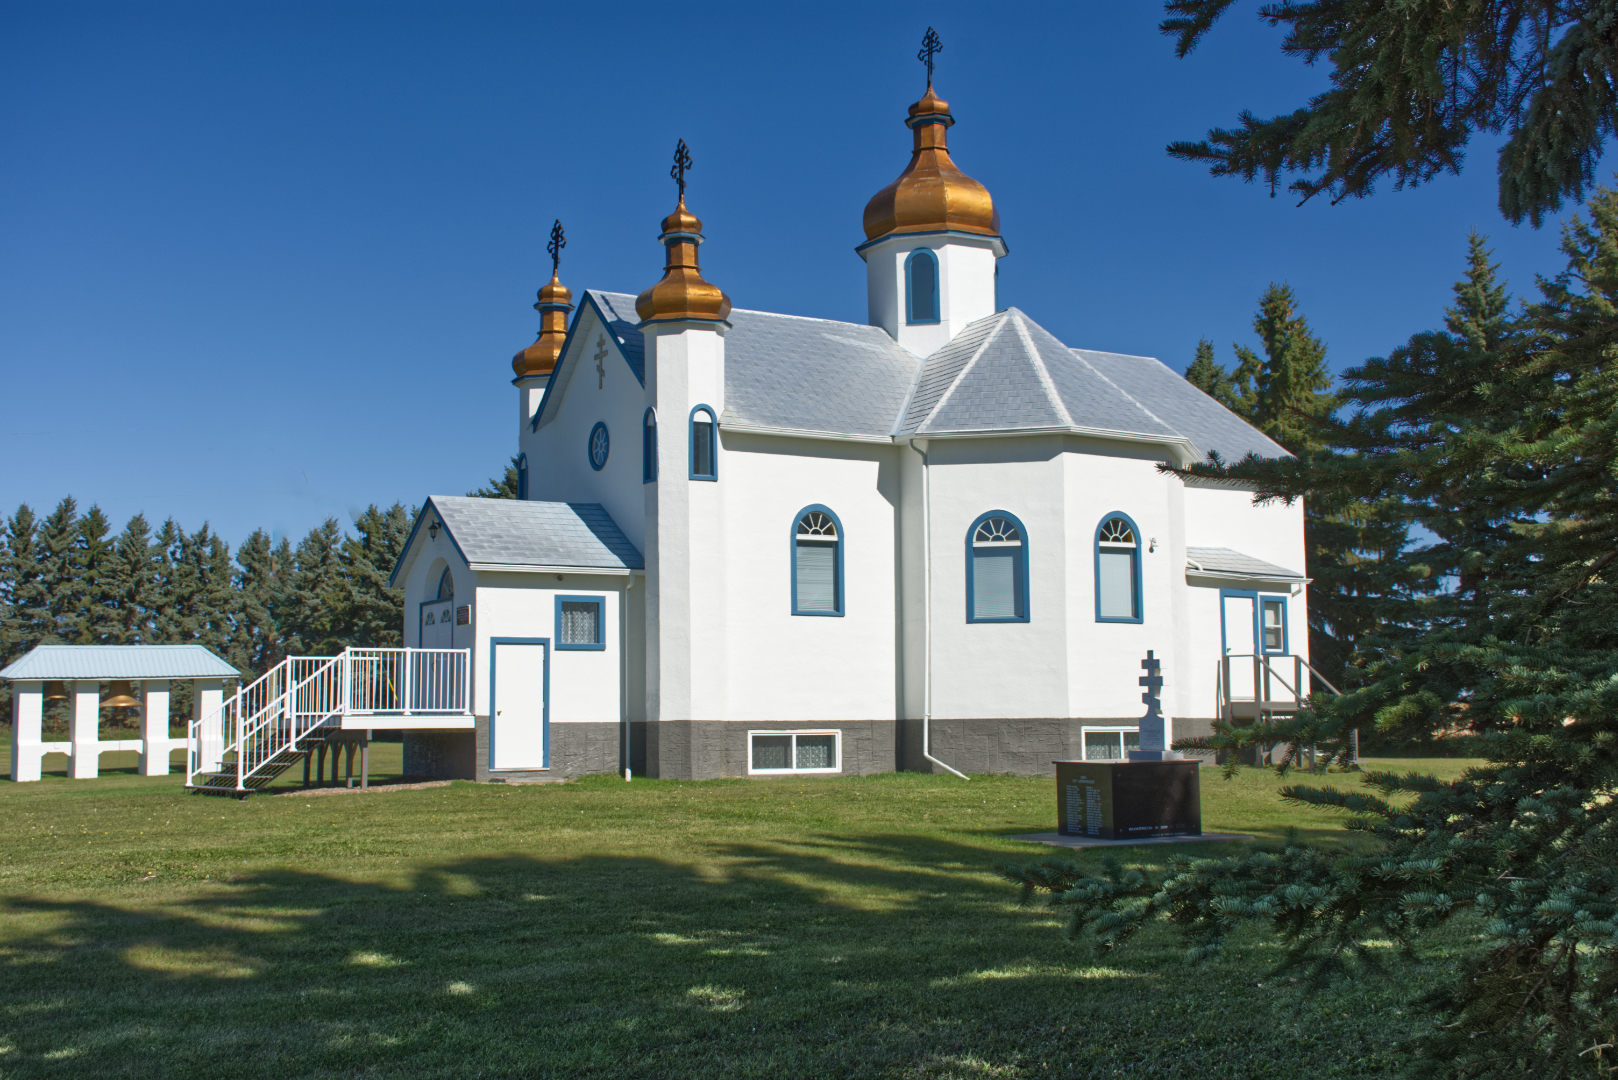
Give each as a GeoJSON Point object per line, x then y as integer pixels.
{"type": "Point", "coordinates": [601, 361]}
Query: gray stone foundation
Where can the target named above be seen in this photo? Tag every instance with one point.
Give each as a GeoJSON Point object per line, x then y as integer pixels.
{"type": "Point", "coordinates": [711, 749]}
{"type": "Point", "coordinates": [1021, 747]}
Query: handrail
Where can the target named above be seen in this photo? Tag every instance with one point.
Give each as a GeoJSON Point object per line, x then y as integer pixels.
{"type": "Point", "coordinates": [302, 693]}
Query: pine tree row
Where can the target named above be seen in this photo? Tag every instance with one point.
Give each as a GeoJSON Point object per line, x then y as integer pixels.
{"type": "Point", "coordinates": [64, 579]}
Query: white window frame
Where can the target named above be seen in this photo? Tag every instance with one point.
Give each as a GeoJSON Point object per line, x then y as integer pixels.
{"type": "Point", "coordinates": [837, 746]}
{"type": "Point", "coordinates": [1084, 740]}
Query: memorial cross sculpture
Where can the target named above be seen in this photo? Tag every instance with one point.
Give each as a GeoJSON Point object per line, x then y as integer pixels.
{"type": "Point", "coordinates": [1154, 743]}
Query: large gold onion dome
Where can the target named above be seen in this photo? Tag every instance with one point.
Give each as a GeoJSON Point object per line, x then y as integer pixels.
{"type": "Point", "coordinates": [931, 195]}
{"type": "Point", "coordinates": [682, 293]}
{"type": "Point", "coordinates": [555, 301]}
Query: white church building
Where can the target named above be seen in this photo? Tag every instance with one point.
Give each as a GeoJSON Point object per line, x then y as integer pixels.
{"type": "Point", "coordinates": [750, 543]}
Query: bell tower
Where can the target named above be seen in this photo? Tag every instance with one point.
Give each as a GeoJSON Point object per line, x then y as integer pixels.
{"type": "Point", "coordinates": [535, 364]}
{"type": "Point", "coordinates": [932, 237]}
{"type": "Point", "coordinates": [683, 318]}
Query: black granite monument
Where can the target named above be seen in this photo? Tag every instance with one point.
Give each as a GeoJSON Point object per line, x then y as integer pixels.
{"type": "Point", "coordinates": [1154, 793]}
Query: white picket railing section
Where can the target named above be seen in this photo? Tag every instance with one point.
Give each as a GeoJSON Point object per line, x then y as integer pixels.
{"type": "Point", "coordinates": [271, 716]}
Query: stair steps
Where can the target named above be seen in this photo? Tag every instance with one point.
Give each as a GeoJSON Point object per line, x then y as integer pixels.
{"type": "Point", "coordinates": [260, 774]}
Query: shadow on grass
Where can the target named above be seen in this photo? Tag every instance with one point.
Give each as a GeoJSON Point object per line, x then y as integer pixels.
{"type": "Point", "coordinates": [875, 955]}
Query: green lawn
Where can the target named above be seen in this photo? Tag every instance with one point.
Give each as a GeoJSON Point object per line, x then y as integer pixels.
{"type": "Point", "coordinates": [778, 928]}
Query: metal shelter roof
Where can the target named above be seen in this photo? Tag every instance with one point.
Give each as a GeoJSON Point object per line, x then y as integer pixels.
{"type": "Point", "coordinates": [1227, 563]}
{"type": "Point", "coordinates": [105, 662]}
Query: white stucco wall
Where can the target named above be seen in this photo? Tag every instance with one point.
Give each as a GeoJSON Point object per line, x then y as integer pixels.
{"type": "Point", "coordinates": [966, 286]}
{"type": "Point", "coordinates": [558, 453]}
{"type": "Point", "coordinates": [786, 667]}
{"type": "Point", "coordinates": [584, 684]}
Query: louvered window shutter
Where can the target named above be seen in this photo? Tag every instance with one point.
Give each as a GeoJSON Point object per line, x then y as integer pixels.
{"type": "Point", "coordinates": [817, 576]}
{"type": "Point", "coordinates": [994, 583]}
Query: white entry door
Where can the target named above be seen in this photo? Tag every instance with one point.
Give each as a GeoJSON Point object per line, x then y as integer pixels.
{"type": "Point", "coordinates": [1240, 629]}
{"type": "Point", "coordinates": [520, 711]}
{"type": "Point", "coordinates": [437, 632]}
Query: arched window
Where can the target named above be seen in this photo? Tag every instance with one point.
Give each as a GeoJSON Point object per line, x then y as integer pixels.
{"type": "Point", "coordinates": [921, 287]}
{"type": "Point", "coordinates": [817, 562]}
{"type": "Point", "coordinates": [1118, 570]}
{"type": "Point", "coordinates": [648, 447]}
{"type": "Point", "coordinates": [522, 476]}
{"type": "Point", "coordinates": [446, 586]}
{"type": "Point", "coordinates": [598, 446]}
{"type": "Point", "coordinates": [997, 569]}
{"type": "Point", "coordinates": [704, 444]}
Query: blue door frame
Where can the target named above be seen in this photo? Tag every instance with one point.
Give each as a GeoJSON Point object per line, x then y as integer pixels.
{"type": "Point", "coordinates": [545, 714]}
{"type": "Point", "coordinates": [1255, 634]}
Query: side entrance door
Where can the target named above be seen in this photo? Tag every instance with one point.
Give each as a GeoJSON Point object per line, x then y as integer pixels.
{"type": "Point", "coordinates": [519, 703]}
{"type": "Point", "coordinates": [1241, 641]}
{"type": "Point", "coordinates": [437, 632]}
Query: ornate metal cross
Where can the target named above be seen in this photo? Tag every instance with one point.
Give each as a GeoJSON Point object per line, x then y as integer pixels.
{"type": "Point", "coordinates": [931, 46]}
{"type": "Point", "coordinates": [558, 242]}
{"type": "Point", "coordinates": [601, 361]}
{"type": "Point", "coordinates": [682, 162]}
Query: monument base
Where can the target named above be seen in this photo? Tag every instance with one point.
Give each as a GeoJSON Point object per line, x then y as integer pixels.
{"type": "Point", "coordinates": [1128, 800]}
{"type": "Point", "coordinates": [1156, 755]}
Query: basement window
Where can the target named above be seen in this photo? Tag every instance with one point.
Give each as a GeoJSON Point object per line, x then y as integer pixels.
{"type": "Point", "coordinates": [771, 753]}
{"type": "Point", "coordinates": [1109, 744]}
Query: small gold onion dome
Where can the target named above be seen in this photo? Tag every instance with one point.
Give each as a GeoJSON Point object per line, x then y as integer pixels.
{"type": "Point", "coordinates": [555, 301]}
{"type": "Point", "coordinates": [682, 294]}
{"type": "Point", "coordinates": [931, 194]}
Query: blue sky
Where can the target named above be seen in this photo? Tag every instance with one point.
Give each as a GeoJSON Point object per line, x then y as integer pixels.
{"type": "Point", "coordinates": [261, 264]}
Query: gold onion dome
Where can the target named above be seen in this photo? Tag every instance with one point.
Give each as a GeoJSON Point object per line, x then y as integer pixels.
{"type": "Point", "coordinates": [931, 195]}
{"type": "Point", "coordinates": [555, 301]}
{"type": "Point", "coordinates": [682, 294]}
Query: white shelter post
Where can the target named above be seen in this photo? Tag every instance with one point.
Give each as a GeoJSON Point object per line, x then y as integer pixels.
{"type": "Point", "coordinates": [154, 727]}
{"type": "Point", "coordinates": [208, 699]}
{"type": "Point", "coordinates": [86, 763]}
{"type": "Point", "coordinates": [27, 730]}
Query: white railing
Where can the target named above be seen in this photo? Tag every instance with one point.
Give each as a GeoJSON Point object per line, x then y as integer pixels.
{"type": "Point", "coordinates": [1251, 685]}
{"type": "Point", "coordinates": [272, 715]}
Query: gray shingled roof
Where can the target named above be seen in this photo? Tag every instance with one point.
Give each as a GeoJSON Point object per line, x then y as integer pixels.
{"type": "Point", "coordinates": [1007, 372]}
{"type": "Point", "coordinates": [513, 532]}
{"type": "Point", "coordinates": [119, 662]}
{"type": "Point", "coordinates": [1208, 424]}
{"type": "Point", "coordinates": [1002, 373]}
{"type": "Point", "coordinates": [785, 371]}
{"type": "Point", "coordinates": [619, 311]}
{"type": "Point", "coordinates": [1223, 562]}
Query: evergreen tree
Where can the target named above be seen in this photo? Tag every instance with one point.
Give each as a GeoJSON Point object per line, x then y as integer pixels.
{"type": "Point", "coordinates": [25, 616]}
{"type": "Point", "coordinates": [129, 585]}
{"type": "Point", "coordinates": [1209, 376]}
{"type": "Point", "coordinates": [374, 613]}
{"type": "Point", "coordinates": [503, 488]}
{"type": "Point", "coordinates": [1500, 434]}
{"type": "Point", "coordinates": [256, 644]}
{"type": "Point", "coordinates": [59, 572]}
{"type": "Point", "coordinates": [93, 619]}
{"type": "Point", "coordinates": [1411, 83]}
{"type": "Point", "coordinates": [312, 625]}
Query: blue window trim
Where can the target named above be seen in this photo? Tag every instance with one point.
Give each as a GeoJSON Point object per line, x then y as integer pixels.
{"type": "Point", "coordinates": [1021, 570]}
{"type": "Point", "coordinates": [691, 437]}
{"type": "Point", "coordinates": [1140, 542]}
{"type": "Point", "coordinates": [910, 303]}
{"type": "Point", "coordinates": [589, 446]}
{"type": "Point", "coordinates": [545, 706]}
{"type": "Point", "coordinates": [648, 447]}
{"type": "Point", "coordinates": [1255, 633]}
{"type": "Point", "coordinates": [601, 622]}
{"type": "Point", "coordinates": [522, 476]}
{"type": "Point", "coordinates": [837, 570]}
